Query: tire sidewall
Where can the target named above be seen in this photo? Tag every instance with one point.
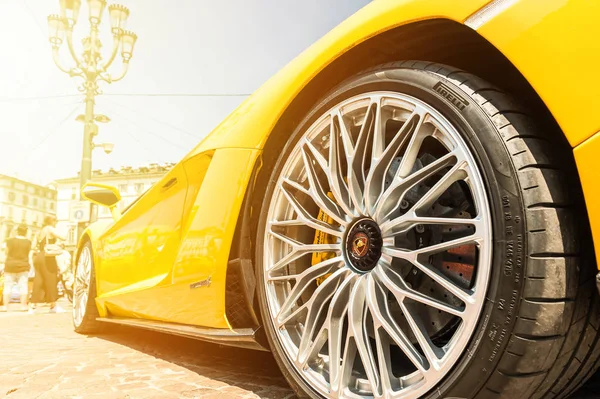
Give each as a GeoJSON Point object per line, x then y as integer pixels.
{"type": "Point", "coordinates": [499, 314]}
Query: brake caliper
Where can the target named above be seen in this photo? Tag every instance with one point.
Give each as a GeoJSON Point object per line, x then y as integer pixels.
{"type": "Point", "coordinates": [323, 238]}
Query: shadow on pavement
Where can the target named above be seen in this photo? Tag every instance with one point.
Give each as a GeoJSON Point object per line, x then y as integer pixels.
{"type": "Point", "coordinates": [247, 369]}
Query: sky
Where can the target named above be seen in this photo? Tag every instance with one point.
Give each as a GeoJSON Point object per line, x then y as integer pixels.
{"type": "Point", "coordinates": [194, 47]}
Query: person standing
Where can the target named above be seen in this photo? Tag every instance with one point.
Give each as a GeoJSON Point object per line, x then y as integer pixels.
{"type": "Point", "coordinates": [16, 268]}
{"type": "Point", "coordinates": [46, 269]}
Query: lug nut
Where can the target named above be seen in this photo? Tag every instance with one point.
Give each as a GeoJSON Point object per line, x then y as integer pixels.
{"type": "Point", "coordinates": [420, 228]}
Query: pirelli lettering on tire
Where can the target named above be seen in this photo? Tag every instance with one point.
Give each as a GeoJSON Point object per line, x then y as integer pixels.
{"type": "Point", "coordinates": [450, 95]}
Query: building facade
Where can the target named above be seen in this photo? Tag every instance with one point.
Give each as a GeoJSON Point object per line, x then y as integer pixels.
{"type": "Point", "coordinates": [131, 183]}
{"type": "Point", "coordinates": [22, 202]}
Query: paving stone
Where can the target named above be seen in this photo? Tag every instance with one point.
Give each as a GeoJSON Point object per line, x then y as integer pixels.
{"type": "Point", "coordinates": [47, 360]}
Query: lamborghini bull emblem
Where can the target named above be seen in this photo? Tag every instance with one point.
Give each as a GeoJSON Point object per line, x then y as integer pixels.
{"type": "Point", "coordinates": [360, 245]}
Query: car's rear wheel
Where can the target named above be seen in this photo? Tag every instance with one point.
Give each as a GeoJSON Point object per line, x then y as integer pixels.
{"type": "Point", "coordinates": [418, 239]}
{"type": "Point", "coordinates": [85, 311]}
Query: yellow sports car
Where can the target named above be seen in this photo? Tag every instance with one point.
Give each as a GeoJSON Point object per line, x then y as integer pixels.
{"type": "Point", "coordinates": [406, 210]}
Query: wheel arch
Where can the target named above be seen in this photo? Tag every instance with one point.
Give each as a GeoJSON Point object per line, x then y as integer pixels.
{"type": "Point", "coordinates": [437, 40]}
{"type": "Point", "coordinates": [440, 40]}
{"type": "Point", "coordinates": [89, 236]}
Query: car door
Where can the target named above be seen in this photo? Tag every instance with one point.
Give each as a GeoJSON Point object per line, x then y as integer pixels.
{"type": "Point", "coordinates": [137, 253]}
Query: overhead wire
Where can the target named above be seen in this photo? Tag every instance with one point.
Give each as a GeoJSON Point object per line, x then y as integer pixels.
{"type": "Point", "coordinates": [149, 131]}
{"type": "Point", "coordinates": [53, 96]}
{"type": "Point", "coordinates": [42, 31]}
{"type": "Point", "coordinates": [50, 97]}
{"type": "Point", "coordinates": [55, 127]}
{"type": "Point", "coordinates": [140, 142]}
{"type": "Point", "coordinates": [177, 94]}
{"type": "Point", "coordinates": [49, 134]}
{"type": "Point", "coordinates": [154, 119]}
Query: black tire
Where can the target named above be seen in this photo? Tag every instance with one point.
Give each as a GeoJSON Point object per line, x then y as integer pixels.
{"type": "Point", "coordinates": [89, 324]}
{"type": "Point", "coordinates": [538, 333]}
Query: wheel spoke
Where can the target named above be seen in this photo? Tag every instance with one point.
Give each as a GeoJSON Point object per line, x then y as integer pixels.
{"type": "Point", "coordinates": [298, 250]}
{"type": "Point", "coordinates": [359, 159]}
{"type": "Point", "coordinates": [409, 220]}
{"type": "Point", "coordinates": [322, 291]}
{"type": "Point", "coordinates": [338, 309]}
{"type": "Point", "coordinates": [356, 330]}
{"type": "Point", "coordinates": [396, 285]}
{"type": "Point", "coordinates": [337, 149]}
{"type": "Point", "coordinates": [391, 198]}
{"type": "Point", "coordinates": [384, 357]}
{"type": "Point", "coordinates": [474, 238]}
{"type": "Point", "coordinates": [81, 285]}
{"type": "Point", "coordinates": [432, 352]}
{"type": "Point", "coordinates": [303, 280]}
{"type": "Point", "coordinates": [317, 305]}
{"type": "Point", "coordinates": [305, 217]}
{"type": "Point", "coordinates": [412, 150]}
{"type": "Point", "coordinates": [381, 164]}
{"type": "Point", "coordinates": [379, 307]}
{"type": "Point", "coordinates": [456, 173]}
{"type": "Point", "coordinates": [413, 257]}
{"type": "Point", "coordinates": [318, 193]}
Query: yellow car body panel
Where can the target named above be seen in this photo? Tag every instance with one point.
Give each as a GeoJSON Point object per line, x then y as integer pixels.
{"type": "Point", "coordinates": [554, 44]}
{"type": "Point", "coordinates": [179, 234]}
{"type": "Point", "coordinates": [587, 157]}
{"type": "Point", "coordinates": [148, 261]}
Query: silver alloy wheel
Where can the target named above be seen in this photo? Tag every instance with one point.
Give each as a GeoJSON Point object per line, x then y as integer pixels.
{"type": "Point", "coordinates": [364, 248]}
{"type": "Point", "coordinates": [81, 287]}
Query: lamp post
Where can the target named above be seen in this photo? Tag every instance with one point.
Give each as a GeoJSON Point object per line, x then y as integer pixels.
{"type": "Point", "coordinates": [89, 64]}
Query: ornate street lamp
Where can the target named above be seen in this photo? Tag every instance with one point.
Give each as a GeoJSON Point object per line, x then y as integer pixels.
{"type": "Point", "coordinates": [89, 64]}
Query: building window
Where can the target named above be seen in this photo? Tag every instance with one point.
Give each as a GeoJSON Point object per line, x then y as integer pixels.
{"type": "Point", "coordinates": [123, 188]}
{"type": "Point", "coordinates": [11, 197]}
{"type": "Point", "coordinates": [10, 212]}
{"type": "Point", "coordinates": [73, 193]}
{"type": "Point", "coordinates": [24, 216]}
{"type": "Point", "coordinates": [139, 188]}
{"type": "Point", "coordinates": [25, 200]}
{"type": "Point", "coordinates": [35, 202]}
{"type": "Point", "coordinates": [52, 206]}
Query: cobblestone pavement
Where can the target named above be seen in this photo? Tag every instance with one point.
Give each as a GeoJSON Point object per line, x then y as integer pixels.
{"type": "Point", "coordinates": [43, 358]}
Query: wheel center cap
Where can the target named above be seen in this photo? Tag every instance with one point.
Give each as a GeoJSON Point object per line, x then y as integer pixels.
{"type": "Point", "coordinates": [363, 245]}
